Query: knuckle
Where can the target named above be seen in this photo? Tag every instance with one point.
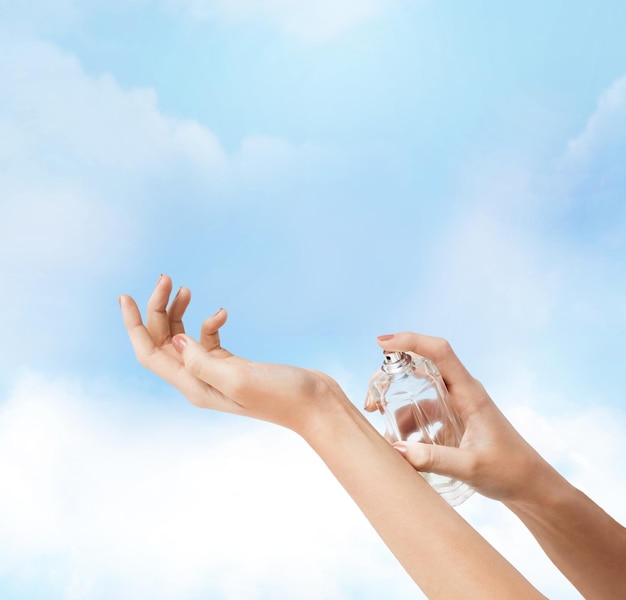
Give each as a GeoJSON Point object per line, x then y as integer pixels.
{"type": "Point", "coordinates": [144, 358]}
{"type": "Point", "coordinates": [444, 348]}
{"type": "Point", "coordinates": [431, 457]}
{"type": "Point", "coordinates": [156, 305]}
{"type": "Point", "coordinates": [480, 388]}
{"type": "Point", "coordinates": [421, 456]}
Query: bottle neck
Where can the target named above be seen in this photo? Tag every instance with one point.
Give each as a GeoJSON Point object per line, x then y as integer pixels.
{"type": "Point", "coordinates": [396, 362]}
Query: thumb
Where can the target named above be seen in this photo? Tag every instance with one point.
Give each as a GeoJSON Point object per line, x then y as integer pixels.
{"type": "Point", "coordinates": [433, 458]}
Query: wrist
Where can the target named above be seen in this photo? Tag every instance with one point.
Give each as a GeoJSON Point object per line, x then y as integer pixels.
{"type": "Point", "coordinates": [330, 406]}
{"type": "Point", "coordinates": [544, 490]}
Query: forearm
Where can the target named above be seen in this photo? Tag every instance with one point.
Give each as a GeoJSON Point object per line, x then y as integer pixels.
{"type": "Point", "coordinates": [444, 555]}
{"type": "Point", "coordinates": [585, 543]}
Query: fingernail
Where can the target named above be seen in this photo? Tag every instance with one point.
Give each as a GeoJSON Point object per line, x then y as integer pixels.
{"type": "Point", "coordinates": [400, 448]}
{"type": "Point", "coordinates": [384, 338]}
{"type": "Point", "coordinates": [159, 279]}
{"type": "Point", "coordinates": [179, 342]}
{"type": "Point", "coordinates": [217, 312]}
{"type": "Point", "coordinates": [178, 292]}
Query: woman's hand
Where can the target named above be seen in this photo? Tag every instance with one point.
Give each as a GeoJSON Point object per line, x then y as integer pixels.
{"type": "Point", "coordinates": [585, 543]}
{"type": "Point", "coordinates": [492, 458]}
{"type": "Point", "coordinates": [212, 377]}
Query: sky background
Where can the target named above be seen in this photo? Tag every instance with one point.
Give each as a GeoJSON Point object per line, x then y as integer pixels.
{"type": "Point", "coordinates": [328, 171]}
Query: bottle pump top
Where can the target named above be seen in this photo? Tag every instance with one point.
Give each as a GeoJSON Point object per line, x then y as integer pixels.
{"type": "Point", "coordinates": [394, 362]}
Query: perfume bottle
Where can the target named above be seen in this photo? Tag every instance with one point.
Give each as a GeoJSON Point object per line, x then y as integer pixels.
{"type": "Point", "coordinates": [412, 397]}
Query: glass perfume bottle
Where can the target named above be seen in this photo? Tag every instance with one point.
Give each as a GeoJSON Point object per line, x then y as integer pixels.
{"type": "Point", "coordinates": [412, 397]}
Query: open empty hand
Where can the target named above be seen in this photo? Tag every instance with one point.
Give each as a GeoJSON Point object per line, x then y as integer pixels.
{"type": "Point", "coordinates": [211, 376]}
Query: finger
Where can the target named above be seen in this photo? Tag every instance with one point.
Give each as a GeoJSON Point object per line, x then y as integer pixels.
{"type": "Point", "coordinates": [443, 460]}
{"type": "Point", "coordinates": [162, 363]}
{"type": "Point", "coordinates": [370, 403]}
{"type": "Point", "coordinates": [130, 313]}
{"type": "Point", "coordinates": [141, 340]}
{"type": "Point", "coordinates": [436, 349]}
{"type": "Point", "coordinates": [372, 399]}
{"type": "Point", "coordinates": [157, 320]}
{"type": "Point", "coordinates": [177, 309]}
{"type": "Point", "coordinates": [209, 332]}
{"type": "Point", "coordinates": [224, 374]}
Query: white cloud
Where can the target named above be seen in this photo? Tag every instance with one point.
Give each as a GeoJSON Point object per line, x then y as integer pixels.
{"type": "Point", "coordinates": [76, 149]}
{"type": "Point", "coordinates": [43, 230]}
{"type": "Point", "coordinates": [80, 151]}
{"type": "Point", "coordinates": [535, 254]}
{"type": "Point", "coordinates": [68, 120]}
{"type": "Point", "coordinates": [491, 270]}
{"type": "Point", "coordinates": [96, 506]}
{"type": "Point", "coordinates": [584, 443]}
{"type": "Point", "coordinates": [606, 125]}
{"type": "Point", "coordinates": [586, 187]}
{"type": "Point", "coordinates": [106, 496]}
{"type": "Point", "coordinates": [79, 155]}
{"type": "Point", "coordinates": [84, 162]}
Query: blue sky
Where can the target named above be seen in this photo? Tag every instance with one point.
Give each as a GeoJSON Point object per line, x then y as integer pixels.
{"type": "Point", "coordinates": [328, 172]}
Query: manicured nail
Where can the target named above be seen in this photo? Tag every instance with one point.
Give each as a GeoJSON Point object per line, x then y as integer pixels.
{"type": "Point", "coordinates": [179, 342]}
{"type": "Point", "coordinates": [384, 338]}
{"type": "Point", "coordinates": [400, 448]}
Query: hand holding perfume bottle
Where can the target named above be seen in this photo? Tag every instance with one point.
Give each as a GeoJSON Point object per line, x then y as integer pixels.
{"type": "Point", "coordinates": [412, 397]}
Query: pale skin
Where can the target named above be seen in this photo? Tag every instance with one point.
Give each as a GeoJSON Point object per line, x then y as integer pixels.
{"type": "Point", "coordinates": [586, 544]}
{"type": "Point", "coordinates": [443, 554]}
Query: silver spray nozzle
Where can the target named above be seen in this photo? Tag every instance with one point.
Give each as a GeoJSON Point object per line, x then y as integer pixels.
{"type": "Point", "coordinates": [395, 361]}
